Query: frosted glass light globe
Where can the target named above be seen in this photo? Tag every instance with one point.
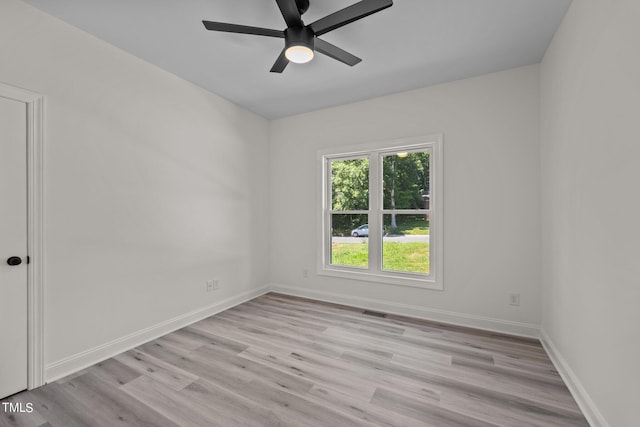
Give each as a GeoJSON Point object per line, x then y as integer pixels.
{"type": "Point", "coordinates": [299, 54]}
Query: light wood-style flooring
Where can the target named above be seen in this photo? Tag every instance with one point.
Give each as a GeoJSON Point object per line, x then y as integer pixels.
{"type": "Point", "coordinates": [284, 361]}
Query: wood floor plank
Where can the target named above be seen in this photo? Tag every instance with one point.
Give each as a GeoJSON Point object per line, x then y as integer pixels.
{"type": "Point", "coordinates": [259, 330]}
{"type": "Point", "coordinates": [457, 381]}
{"type": "Point", "coordinates": [172, 404]}
{"type": "Point", "coordinates": [360, 409]}
{"type": "Point", "coordinates": [23, 419]}
{"type": "Point", "coordinates": [232, 408]}
{"type": "Point", "coordinates": [336, 346]}
{"type": "Point", "coordinates": [288, 361]}
{"type": "Point", "coordinates": [156, 368]}
{"type": "Point", "coordinates": [113, 372]}
{"type": "Point", "coordinates": [538, 366]}
{"type": "Point", "coordinates": [303, 410]}
{"type": "Point", "coordinates": [245, 337]}
{"type": "Point", "coordinates": [505, 412]}
{"type": "Point", "coordinates": [447, 382]}
{"type": "Point", "coordinates": [352, 340]}
{"type": "Point", "coordinates": [58, 407]}
{"type": "Point", "coordinates": [418, 343]}
{"type": "Point", "coordinates": [263, 312]}
{"type": "Point", "coordinates": [480, 345]}
{"type": "Point", "coordinates": [430, 414]}
{"type": "Point", "coordinates": [277, 393]}
{"type": "Point", "coordinates": [223, 368]}
{"type": "Point", "coordinates": [206, 338]}
{"type": "Point", "coordinates": [337, 379]}
{"type": "Point", "coordinates": [335, 316]}
{"type": "Point", "coordinates": [517, 374]}
{"type": "Point", "coordinates": [108, 407]}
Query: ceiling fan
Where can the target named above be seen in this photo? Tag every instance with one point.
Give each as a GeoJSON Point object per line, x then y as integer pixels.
{"type": "Point", "coordinates": [300, 40]}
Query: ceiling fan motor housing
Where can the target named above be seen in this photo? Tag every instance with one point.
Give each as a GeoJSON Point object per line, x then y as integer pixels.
{"type": "Point", "coordinates": [303, 6]}
{"type": "Point", "coordinates": [299, 36]}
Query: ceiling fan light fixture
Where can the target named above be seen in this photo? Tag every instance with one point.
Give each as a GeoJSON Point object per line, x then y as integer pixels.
{"type": "Point", "coordinates": [299, 42]}
{"type": "Point", "coordinates": [299, 54]}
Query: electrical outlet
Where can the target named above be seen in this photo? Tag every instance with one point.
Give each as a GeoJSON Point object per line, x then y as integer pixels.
{"type": "Point", "coordinates": [210, 285]}
{"type": "Point", "coordinates": [305, 273]}
{"type": "Point", "coordinates": [514, 299]}
{"type": "Point", "coordinates": [216, 283]}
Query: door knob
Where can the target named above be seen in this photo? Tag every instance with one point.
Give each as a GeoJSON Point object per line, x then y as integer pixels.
{"type": "Point", "coordinates": [14, 260]}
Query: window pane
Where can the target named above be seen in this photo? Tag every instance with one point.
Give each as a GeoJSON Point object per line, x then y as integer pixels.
{"type": "Point", "coordinates": [350, 184]}
{"type": "Point", "coordinates": [349, 240]}
{"type": "Point", "coordinates": [405, 246]}
{"type": "Point", "coordinates": [406, 180]}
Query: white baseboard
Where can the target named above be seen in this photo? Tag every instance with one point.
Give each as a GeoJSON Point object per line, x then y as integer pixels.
{"type": "Point", "coordinates": [79, 361]}
{"type": "Point", "coordinates": [579, 393]}
{"type": "Point", "coordinates": [444, 316]}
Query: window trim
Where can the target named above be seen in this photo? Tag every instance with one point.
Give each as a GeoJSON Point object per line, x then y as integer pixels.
{"type": "Point", "coordinates": [375, 150]}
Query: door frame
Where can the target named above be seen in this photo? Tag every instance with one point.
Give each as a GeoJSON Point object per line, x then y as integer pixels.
{"type": "Point", "coordinates": [34, 104]}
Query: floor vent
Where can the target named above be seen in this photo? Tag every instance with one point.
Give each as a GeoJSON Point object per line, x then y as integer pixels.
{"type": "Point", "coordinates": [374, 313]}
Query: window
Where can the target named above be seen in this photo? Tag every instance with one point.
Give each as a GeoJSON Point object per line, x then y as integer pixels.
{"type": "Point", "coordinates": [382, 212]}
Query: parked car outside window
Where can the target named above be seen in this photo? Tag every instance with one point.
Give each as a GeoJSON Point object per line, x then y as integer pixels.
{"type": "Point", "coordinates": [362, 231]}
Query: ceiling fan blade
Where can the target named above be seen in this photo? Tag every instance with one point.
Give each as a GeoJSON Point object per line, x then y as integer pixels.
{"type": "Point", "coordinates": [290, 12]}
{"type": "Point", "coordinates": [281, 63]}
{"type": "Point", "coordinates": [242, 29]}
{"type": "Point", "coordinates": [348, 15]}
{"type": "Point", "coordinates": [336, 53]}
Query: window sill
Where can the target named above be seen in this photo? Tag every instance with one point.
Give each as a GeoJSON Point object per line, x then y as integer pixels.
{"type": "Point", "coordinates": [385, 278]}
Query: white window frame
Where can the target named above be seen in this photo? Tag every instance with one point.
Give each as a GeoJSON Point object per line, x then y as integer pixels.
{"type": "Point", "coordinates": [374, 273]}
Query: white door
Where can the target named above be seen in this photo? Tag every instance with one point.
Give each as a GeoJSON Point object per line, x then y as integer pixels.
{"type": "Point", "coordinates": [13, 243]}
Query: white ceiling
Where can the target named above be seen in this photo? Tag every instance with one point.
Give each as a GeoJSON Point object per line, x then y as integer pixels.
{"type": "Point", "coordinates": [415, 43]}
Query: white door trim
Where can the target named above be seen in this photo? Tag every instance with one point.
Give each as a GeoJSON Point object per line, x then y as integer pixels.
{"type": "Point", "coordinates": [35, 323]}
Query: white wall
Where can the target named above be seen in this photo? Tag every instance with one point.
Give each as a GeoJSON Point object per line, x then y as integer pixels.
{"type": "Point", "coordinates": [152, 186]}
{"type": "Point", "coordinates": [491, 182]}
{"type": "Point", "coordinates": [590, 111]}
